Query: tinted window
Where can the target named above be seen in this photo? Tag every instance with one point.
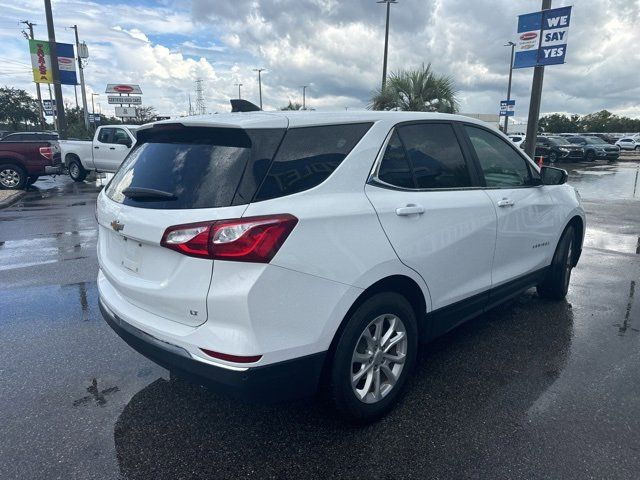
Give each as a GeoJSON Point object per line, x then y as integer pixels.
{"type": "Point", "coordinates": [500, 163]}
{"type": "Point", "coordinates": [394, 167]}
{"type": "Point", "coordinates": [435, 156]}
{"type": "Point", "coordinates": [200, 167]}
{"type": "Point", "coordinates": [105, 135]}
{"type": "Point", "coordinates": [308, 156]}
{"type": "Point", "coordinates": [119, 136]}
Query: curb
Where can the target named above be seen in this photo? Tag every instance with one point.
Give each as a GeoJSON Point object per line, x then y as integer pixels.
{"type": "Point", "coordinates": [12, 198]}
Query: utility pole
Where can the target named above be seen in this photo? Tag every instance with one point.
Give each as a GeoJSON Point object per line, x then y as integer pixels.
{"type": "Point", "coordinates": [506, 117]}
{"type": "Point", "coordinates": [239, 85]}
{"type": "Point", "coordinates": [55, 70]}
{"type": "Point", "coordinates": [304, 96]}
{"type": "Point", "coordinates": [259, 70]}
{"type": "Point", "coordinates": [534, 103]}
{"type": "Point", "coordinates": [386, 41]}
{"type": "Point", "coordinates": [82, 86]}
{"type": "Point", "coordinates": [30, 26]}
{"type": "Point", "coordinates": [93, 109]}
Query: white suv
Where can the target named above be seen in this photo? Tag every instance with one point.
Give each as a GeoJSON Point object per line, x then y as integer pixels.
{"type": "Point", "coordinates": [273, 252]}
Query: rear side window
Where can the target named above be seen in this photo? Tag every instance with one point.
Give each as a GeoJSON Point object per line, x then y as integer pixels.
{"type": "Point", "coordinates": [308, 156]}
{"type": "Point", "coordinates": [394, 167]}
{"type": "Point", "coordinates": [195, 167]}
{"type": "Point", "coordinates": [435, 156]}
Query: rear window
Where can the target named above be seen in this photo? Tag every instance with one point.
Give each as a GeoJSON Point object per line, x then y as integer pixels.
{"type": "Point", "coordinates": [197, 167]}
{"type": "Point", "coordinates": [308, 156]}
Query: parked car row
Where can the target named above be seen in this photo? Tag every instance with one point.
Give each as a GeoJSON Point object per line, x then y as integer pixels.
{"type": "Point", "coordinates": [572, 148]}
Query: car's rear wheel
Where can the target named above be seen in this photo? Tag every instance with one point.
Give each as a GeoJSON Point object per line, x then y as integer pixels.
{"type": "Point", "coordinates": [553, 157]}
{"type": "Point", "coordinates": [637, 147]}
{"type": "Point", "coordinates": [556, 283]}
{"type": "Point", "coordinates": [76, 170]}
{"type": "Point", "coordinates": [373, 357]}
{"type": "Point", "coordinates": [12, 177]}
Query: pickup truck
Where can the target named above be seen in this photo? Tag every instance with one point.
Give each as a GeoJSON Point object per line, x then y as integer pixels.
{"type": "Point", "coordinates": [23, 162]}
{"type": "Point", "coordinates": [104, 153]}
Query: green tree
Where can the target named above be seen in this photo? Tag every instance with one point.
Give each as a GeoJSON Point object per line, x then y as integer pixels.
{"type": "Point", "coordinates": [144, 115]}
{"type": "Point", "coordinates": [559, 123]}
{"type": "Point", "coordinates": [17, 106]}
{"type": "Point", "coordinates": [417, 90]}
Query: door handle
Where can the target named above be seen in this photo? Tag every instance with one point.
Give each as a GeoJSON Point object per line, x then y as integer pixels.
{"type": "Point", "coordinates": [112, 148]}
{"type": "Point", "coordinates": [410, 209]}
{"type": "Point", "coordinates": [506, 202]}
{"type": "Point", "coordinates": [96, 148]}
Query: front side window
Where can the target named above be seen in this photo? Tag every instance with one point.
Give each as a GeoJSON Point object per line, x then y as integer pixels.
{"type": "Point", "coordinates": [120, 136]}
{"type": "Point", "coordinates": [501, 165]}
{"type": "Point", "coordinates": [307, 156]}
{"type": "Point", "coordinates": [435, 156]}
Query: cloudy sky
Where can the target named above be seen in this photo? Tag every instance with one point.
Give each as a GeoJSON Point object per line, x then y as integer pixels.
{"type": "Point", "coordinates": [334, 46]}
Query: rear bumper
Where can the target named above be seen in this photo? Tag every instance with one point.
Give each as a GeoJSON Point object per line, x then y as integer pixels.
{"type": "Point", "coordinates": [296, 378]}
{"type": "Point", "coordinates": [57, 170]}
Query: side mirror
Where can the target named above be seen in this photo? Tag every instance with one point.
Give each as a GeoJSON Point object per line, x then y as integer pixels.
{"type": "Point", "coordinates": [553, 176]}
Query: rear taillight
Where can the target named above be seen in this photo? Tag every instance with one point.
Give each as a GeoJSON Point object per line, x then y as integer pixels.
{"type": "Point", "coordinates": [47, 152]}
{"type": "Point", "coordinates": [251, 239]}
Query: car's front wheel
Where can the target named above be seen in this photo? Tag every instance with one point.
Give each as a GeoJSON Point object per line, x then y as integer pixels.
{"type": "Point", "coordinates": [373, 357]}
{"type": "Point", "coordinates": [590, 156]}
{"type": "Point", "coordinates": [556, 283]}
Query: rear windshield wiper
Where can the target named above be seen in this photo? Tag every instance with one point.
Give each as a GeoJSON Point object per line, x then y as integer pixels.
{"type": "Point", "coordinates": [140, 193]}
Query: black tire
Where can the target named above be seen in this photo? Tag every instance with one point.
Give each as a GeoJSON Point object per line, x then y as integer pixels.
{"type": "Point", "coordinates": [343, 394]}
{"type": "Point", "coordinates": [637, 147]}
{"type": "Point", "coordinates": [556, 283]}
{"type": "Point", "coordinates": [12, 177]}
{"type": "Point", "coordinates": [32, 179]}
{"type": "Point", "coordinates": [553, 157]}
{"type": "Point", "coordinates": [76, 170]}
{"type": "Point", "coordinates": [590, 156]}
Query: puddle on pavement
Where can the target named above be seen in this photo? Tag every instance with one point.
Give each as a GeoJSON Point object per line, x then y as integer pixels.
{"type": "Point", "coordinates": [612, 241]}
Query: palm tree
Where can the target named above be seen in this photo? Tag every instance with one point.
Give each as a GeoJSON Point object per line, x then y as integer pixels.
{"type": "Point", "coordinates": [292, 106]}
{"type": "Point", "coordinates": [418, 90]}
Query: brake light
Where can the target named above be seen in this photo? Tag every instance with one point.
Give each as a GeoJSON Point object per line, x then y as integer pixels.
{"type": "Point", "coordinates": [47, 152]}
{"type": "Point", "coordinates": [251, 239]}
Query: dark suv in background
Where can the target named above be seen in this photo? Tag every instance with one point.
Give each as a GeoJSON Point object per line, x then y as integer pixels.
{"type": "Point", "coordinates": [595, 148]}
{"type": "Point", "coordinates": [555, 149]}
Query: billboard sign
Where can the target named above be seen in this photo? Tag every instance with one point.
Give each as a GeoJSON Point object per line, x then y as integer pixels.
{"type": "Point", "coordinates": [121, 100]}
{"type": "Point", "coordinates": [41, 62]}
{"type": "Point", "coordinates": [123, 88]}
{"type": "Point", "coordinates": [542, 38]}
{"type": "Point", "coordinates": [507, 108]}
{"type": "Point", "coordinates": [125, 112]}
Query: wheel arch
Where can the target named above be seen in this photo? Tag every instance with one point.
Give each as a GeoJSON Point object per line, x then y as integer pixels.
{"type": "Point", "coordinates": [401, 284]}
{"type": "Point", "coordinates": [578, 224]}
{"type": "Point", "coordinates": [71, 156]}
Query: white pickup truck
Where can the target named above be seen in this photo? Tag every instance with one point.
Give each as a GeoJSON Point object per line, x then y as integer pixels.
{"type": "Point", "coordinates": [104, 153]}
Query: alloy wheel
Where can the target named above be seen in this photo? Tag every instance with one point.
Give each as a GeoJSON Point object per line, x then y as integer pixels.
{"type": "Point", "coordinates": [378, 358]}
{"type": "Point", "coordinates": [9, 178]}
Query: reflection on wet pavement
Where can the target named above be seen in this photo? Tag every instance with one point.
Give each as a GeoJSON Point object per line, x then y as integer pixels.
{"type": "Point", "coordinates": [605, 181]}
{"type": "Point", "coordinates": [612, 241]}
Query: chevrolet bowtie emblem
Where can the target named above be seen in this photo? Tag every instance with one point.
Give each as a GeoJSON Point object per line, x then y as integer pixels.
{"type": "Point", "coordinates": [117, 226]}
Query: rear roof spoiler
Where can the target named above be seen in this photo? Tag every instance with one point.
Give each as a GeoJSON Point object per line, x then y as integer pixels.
{"type": "Point", "coordinates": [240, 105]}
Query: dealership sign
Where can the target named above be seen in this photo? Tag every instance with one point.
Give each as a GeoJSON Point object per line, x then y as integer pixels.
{"type": "Point", "coordinates": [41, 62]}
{"type": "Point", "coordinates": [507, 108]}
{"type": "Point", "coordinates": [123, 88]}
{"type": "Point", "coordinates": [542, 38]}
{"type": "Point", "coordinates": [122, 100]}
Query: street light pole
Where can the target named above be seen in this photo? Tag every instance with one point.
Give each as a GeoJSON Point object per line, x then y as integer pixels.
{"type": "Point", "coordinates": [30, 25]}
{"type": "Point", "coordinates": [386, 41]}
{"type": "Point", "coordinates": [506, 117]}
{"type": "Point", "coordinates": [239, 93]}
{"type": "Point", "coordinates": [55, 71]}
{"type": "Point", "coordinates": [304, 96]}
{"type": "Point", "coordinates": [82, 87]}
{"type": "Point", "coordinates": [259, 70]}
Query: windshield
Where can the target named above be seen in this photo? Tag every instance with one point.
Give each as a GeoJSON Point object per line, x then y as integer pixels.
{"type": "Point", "coordinates": [594, 140]}
{"type": "Point", "coordinates": [560, 141]}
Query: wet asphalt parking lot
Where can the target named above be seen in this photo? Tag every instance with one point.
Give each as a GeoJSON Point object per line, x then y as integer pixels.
{"type": "Point", "coordinates": [534, 389]}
